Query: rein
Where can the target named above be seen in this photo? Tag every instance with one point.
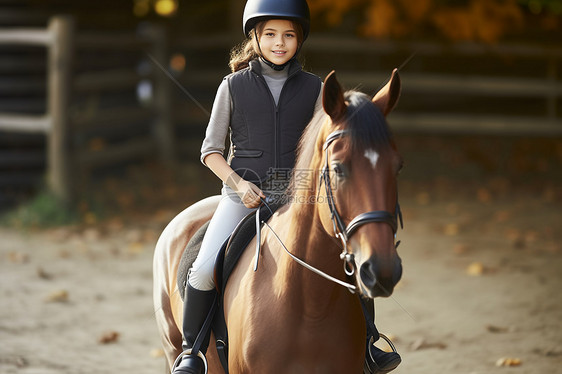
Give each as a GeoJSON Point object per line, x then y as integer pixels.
{"type": "Point", "coordinates": [341, 231]}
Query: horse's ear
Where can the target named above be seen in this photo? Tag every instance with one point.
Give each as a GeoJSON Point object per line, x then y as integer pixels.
{"type": "Point", "coordinates": [387, 97]}
{"type": "Point", "coordinates": [332, 98]}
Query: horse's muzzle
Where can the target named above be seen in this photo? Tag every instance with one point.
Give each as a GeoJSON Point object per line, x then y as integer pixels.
{"type": "Point", "coordinates": [378, 279]}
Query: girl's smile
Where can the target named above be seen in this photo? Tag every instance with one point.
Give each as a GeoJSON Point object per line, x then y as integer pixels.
{"type": "Point", "coordinates": [278, 41]}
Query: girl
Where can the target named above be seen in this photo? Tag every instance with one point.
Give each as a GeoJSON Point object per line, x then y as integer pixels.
{"type": "Point", "coordinates": [265, 104]}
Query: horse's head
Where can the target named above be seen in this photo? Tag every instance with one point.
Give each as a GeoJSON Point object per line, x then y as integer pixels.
{"type": "Point", "coordinates": [360, 165]}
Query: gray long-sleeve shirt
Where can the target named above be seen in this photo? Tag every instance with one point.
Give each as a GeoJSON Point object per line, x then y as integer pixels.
{"type": "Point", "coordinates": [217, 129]}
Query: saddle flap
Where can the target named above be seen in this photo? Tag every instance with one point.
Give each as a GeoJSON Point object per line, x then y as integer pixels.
{"type": "Point", "coordinates": [232, 250]}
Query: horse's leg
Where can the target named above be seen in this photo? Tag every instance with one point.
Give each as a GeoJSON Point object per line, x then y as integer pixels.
{"type": "Point", "coordinates": [167, 255]}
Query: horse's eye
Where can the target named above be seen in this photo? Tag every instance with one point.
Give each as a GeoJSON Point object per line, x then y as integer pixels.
{"type": "Point", "coordinates": [339, 170]}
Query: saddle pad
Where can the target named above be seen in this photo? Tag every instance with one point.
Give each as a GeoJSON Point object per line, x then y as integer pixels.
{"type": "Point", "coordinates": [188, 257]}
{"type": "Point", "coordinates": [228, 257]}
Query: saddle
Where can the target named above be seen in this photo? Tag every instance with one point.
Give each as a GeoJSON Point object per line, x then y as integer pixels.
{"type": "Point", "coordinates": [227, 258]}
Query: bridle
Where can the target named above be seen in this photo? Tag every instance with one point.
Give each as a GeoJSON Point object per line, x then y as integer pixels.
{"type": "Point", "coordinates": [343, 232]}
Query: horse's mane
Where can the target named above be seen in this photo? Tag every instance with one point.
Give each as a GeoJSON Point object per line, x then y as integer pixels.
{"type": "Point", "coordinates": [364, 120]}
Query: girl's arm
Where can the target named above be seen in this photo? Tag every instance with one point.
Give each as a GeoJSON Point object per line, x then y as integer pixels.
{"type": "Point", "coordinates": [249, 193]}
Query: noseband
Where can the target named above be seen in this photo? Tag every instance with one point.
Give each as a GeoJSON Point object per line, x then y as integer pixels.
{"type": "Point", "coordinates": [343, 232]}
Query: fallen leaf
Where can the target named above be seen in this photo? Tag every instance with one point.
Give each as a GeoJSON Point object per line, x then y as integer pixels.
{"type": "Point", "coordinates": [41, 273]}
{"type": "Point", "coordinates": [109, 337]}
{"type": "Point", "coordinates": [475, 269]}
{"type": "Point", "coordinates": [423, 344]}
{"type": "Point", "coordinates": [506, 361]}
{"type": "Point", "coordinates": [60, 296]}
{"type": "Point", "coordinates": [499, 329]}
{"type": "Point", "coordinates": [18, 257]}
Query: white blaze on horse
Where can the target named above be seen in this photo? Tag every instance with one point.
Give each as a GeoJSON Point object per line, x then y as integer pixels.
{"type": "Point", "coordinates": [285, 318]}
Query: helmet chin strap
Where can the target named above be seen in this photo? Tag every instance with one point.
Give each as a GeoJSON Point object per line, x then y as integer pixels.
{"type": "Point", "coordinates": [271, 64]}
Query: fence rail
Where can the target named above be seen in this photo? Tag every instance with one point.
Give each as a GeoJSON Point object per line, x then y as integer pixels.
{"type": "Point", "coordinates": [37, 37]}
{"type": "Point", "coordinates": [25, 123]}
{"type": "Point", "coordinates": [64, 83]}
{"type": "Point", "coordinates": [544, 84]}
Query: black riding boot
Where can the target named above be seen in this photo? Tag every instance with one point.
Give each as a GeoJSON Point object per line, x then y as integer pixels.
{"type": "Point", "coordinates": [196, 307]}
{"type": "Point", "coordinates": [377, 361]}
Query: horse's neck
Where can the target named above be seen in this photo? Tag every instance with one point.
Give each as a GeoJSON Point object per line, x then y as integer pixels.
{"type": "Point", "coordinates": [306, 239]}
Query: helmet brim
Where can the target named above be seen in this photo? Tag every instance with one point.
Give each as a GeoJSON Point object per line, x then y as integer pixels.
{"type": "Point", "coordinates": [252, 22]}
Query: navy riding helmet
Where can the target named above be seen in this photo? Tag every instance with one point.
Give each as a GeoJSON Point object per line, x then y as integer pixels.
{"type": "Point", "coordinates": [259, 10]}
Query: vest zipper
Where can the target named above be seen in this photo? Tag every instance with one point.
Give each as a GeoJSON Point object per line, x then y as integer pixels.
{"type": "Point", "coordinates": [277, 130]}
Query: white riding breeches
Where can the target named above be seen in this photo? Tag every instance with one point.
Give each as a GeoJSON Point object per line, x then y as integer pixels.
{"type": "Point", "coordinates": [229, 213]}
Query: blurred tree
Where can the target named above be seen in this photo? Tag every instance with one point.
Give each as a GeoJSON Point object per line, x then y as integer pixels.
{"type": "Point", "coordinates": [457, 20]}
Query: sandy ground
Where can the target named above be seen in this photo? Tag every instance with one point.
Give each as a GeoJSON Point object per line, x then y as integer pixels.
{"type": "Point", "coordinates": [480, 291]}
{"type": "Point", "coordinates": [472, 293]}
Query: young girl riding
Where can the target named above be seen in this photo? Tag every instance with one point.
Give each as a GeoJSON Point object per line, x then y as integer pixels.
{"type": "Point", "coordinates": [265, 105]}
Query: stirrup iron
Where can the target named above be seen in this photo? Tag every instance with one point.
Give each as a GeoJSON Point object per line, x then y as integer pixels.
{"type": "Point", "coordinates": [188, 352]}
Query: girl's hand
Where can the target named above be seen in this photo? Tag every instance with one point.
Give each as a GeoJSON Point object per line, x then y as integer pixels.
{"type": "Point", "coordinates": [249, 194]}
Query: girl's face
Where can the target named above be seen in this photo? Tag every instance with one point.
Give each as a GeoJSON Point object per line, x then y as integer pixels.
{"type": "Point", "coordinates": [278, 41]}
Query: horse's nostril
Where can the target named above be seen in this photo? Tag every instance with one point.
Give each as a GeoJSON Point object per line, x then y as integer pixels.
{"type": "Point", "coordinates": [379, 284]}
{"type": "Point", "coordinates": [368, 274]}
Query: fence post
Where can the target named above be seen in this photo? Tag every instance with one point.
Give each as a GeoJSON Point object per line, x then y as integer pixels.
{"type": "Point", "coordinates": [61, 29]}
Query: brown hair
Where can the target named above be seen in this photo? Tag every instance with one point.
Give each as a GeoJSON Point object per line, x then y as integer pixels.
{"type": "Point", "coordinates": [241, 55]}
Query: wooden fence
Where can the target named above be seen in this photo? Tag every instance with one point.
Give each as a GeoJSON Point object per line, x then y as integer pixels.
{"type": "Point", "coordinates": [505, 75]}
{"type": "Point", "coordinates": [93, 117]}
{"type": "Point", "coordinates": [74, 117]}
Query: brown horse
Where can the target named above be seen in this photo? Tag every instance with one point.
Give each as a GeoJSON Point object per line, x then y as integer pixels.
{"type": "Point", "coordinates": [285, 317]}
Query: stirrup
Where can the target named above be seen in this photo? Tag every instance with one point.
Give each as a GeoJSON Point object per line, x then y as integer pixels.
{"type": "Point", "coordinates": [370, 360]}
{"type": "Point", "coordinates": [387, 339]}
{"type": "Point", "coordinates": [188, 352]}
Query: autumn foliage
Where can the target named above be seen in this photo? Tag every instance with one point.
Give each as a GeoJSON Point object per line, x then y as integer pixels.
{"type": "Point", "coordinates": [461, 20]}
